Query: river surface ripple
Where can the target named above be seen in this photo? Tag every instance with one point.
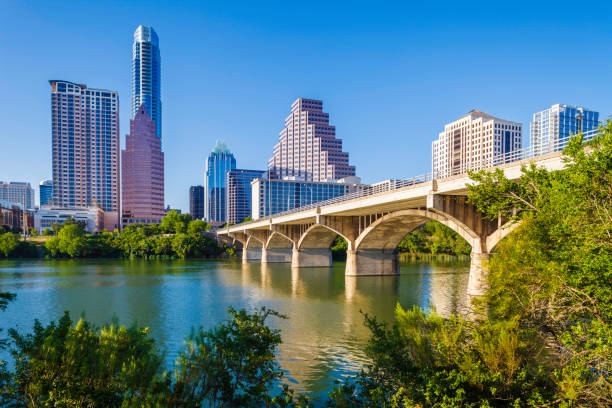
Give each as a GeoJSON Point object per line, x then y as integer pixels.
{"type": "Point", "coordinates": [323, 337]}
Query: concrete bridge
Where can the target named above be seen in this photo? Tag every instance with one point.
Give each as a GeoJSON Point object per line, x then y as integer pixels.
{"type": "Point", "coordinates": [374, 222]}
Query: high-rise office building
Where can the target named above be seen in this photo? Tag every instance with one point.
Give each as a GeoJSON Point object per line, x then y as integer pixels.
{"type": "Point", "coordinates": [142, 165]}
{"type": "Point", "coordinates": [46, 192]}
{"type": "Point", "coordinates": [219, 162]}
{"type": "Point", "coordinates": [552, 127]}
{"type": "Point", "coordinates": [474, 141]}
{"type": "Point", "coordinates": [85, 148]}
{"type": "Point", "coordinates": [308, 147]}
{"type": "Point", "coordinates": [17, 192]}
{"type": "Point", "coordinates": [238, 193]}
{"type": "Point", "coordinates": [274, 196]}
{"type": "Point", "coordinates": [196, 202]}
{"type": "Point", "coordinates": [146, 75]}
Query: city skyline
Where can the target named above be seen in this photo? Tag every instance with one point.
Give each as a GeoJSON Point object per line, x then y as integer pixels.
{"type": "Point", "coordinates": [371, 101]}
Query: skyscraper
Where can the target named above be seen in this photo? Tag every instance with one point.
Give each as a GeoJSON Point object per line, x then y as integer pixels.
{"type": "Point", "coordinates": [146, 75]}
{"type": "Point", "coordinates": [85, 148]}
{"type": "Point", "coordinates": [552, 127]}
{"type": "Point", "coordinates": [17, 192]}
{"type": "Point", "coordinates": [196, 202]}
{"type": "Point", "coordinates": [219, 162]}
{"type": "Point", "coordinates": [308, 147]}
{"type": "Point", "coordinates": [142, 165]}
{"type": "Point", "coordinates": [238, 193]}
{"type": "Point", "coordinates": [46, 192]}
{"type": "Point", "coordinates": [474, 141]}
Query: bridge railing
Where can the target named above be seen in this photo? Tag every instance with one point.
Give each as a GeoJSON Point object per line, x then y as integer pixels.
{"type": "Point", "coordinates": [391, 185]}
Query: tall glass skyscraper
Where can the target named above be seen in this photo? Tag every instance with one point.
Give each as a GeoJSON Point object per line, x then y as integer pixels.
{"type": "Point", "coordinates": [552, 127]}
{"type": "Point", "coordinates": [219, 162]}
{"type": "Point", "coordinates": [146, 74]}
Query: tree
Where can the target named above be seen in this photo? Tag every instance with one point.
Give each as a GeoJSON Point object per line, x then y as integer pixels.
{"type": "Point", "coordinates": [8, 242]}
{"type": "Point", "coordinates": [5, 298]}
{"type": "Point", "coordinates": [78, 365]}
{"type": "Point", "coordinates": [197, 226]}
{"type": "Point", "coordinates": [47, 232]}
{"type": "Point", "coordinates": [231, 365]}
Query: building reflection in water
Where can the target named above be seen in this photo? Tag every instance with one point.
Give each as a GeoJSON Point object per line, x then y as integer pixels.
{"type": "Point", "coordinates": [324, 334]}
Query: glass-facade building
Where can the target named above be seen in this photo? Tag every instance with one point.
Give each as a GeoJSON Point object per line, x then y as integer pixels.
{"type": "Point", "coordinates": [17, 192]}
{"type": "Point", "coordinates": [219, 162]}
{"type": "Point", "coordinates": [46, 192]}
{"type": "Point", "coordinates": [196, 202]}
{"type": "Point", "coordinates": [552, 128]}
{"type": "Point", "coordinates": [274, 196]}
{"type": "Point", "coordinates": [146, 75]}
{"type": "Point", "coordinates": [238, 193]}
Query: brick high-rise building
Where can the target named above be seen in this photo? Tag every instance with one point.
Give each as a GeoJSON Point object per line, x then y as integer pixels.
{"type": "Point", "coordinates": [142, 165]}
{"type": "Point", "coordinates": [85, 148]}
{"type": "Point", "coordinates": [308, 147]}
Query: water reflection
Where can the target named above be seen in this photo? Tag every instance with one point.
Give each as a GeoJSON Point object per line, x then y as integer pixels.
{"type": "Point", "coordinates": [323, 335]}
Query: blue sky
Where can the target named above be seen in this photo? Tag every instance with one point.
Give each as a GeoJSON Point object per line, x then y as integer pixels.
{"type": "Point", "coordinates": [390, 74]}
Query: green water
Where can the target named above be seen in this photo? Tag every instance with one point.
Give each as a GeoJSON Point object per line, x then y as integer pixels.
{"type": "Point", "coordinates": [322, 338]}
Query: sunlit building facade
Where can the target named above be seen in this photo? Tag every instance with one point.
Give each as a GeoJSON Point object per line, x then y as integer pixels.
{"type": "Point", "coordinates": [219, 162]}
{"type": "Point", "coordinates": [146, 75]}
{"type": "Point", "coordinates": [308, 147]}
{"type": "Point", "coordinates": [46, 192]}
{"type": "Point", "coordinates": [17, 192]}
{"type": "Point", "coordinates": [474, 141]}
{"type": "Point", "coordinates": [552, 127]}
{"type": "Point", "coordinates": [85, 148]}
{"type": "Point", "coordinates": [272, 196]}
{"type": "Point", "coordinates": [142, 165]}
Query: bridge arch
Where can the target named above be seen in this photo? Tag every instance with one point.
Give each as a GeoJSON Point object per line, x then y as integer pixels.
{"type": "Point", "coordinates": [320, 236]}
{"type": "Point", "coordinates": [387, 232]}
{"type": "Point", "coordinates": [253, 242]}
{"type": "Point", "coordinates": [279, 240]}
{"type": "Point", "coordinates": [501, 233]}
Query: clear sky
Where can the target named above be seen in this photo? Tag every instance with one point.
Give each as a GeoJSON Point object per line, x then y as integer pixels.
{"type": "Point", "coordinates": [390, 74]}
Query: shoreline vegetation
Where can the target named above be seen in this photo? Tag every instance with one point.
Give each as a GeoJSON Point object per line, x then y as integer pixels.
{"type": "Point", "coordinates": [540, 337]}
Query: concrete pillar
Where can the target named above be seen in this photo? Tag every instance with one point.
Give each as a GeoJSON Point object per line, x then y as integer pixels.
{"type": "Point", "coordinates": [365, 262]}
{"type": "Point", "coordinates": [273, 255]}
{"type": "Point", "coordinates": [478, 282]}
{"type": "Point", "coordinates": [252, 253]}
{"type": "Point", "coordinates": [311, 258]}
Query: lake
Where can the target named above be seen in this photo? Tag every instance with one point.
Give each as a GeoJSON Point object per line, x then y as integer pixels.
{"type": "Point", "coordinates": [323, 337]}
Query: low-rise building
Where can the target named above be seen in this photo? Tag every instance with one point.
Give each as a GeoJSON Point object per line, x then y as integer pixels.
{"type": "Point", "coordinates": [92, 217]}
{"type": "Point", "coordinates": [275, 196]}
{"type": "Point", "coordinates": [14, 215]}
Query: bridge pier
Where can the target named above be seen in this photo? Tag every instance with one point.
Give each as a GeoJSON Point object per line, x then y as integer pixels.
{"type": "Point", "coordinates": [365, 262]}
{"type": "Point", "coordinates": [311, 258]}
{"type": "Point", "coordinates": [249, 254]}
{"type": "Point", "coordinates": [276, 255]}
{"type": "Point", "coordinates": [478, 281]}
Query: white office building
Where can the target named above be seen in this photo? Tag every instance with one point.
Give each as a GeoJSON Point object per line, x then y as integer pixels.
{"type": "Point", "coordinates": [92, 217]}
{"type": "Point", "coordinates": [17, 192]}
{"type": "Point", "coordinates": [474, 141]}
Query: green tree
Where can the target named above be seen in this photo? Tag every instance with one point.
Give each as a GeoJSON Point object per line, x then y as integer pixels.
{"type": "Point", "coordinates": [47, 232]}
{"type": "Point", "coordinates": [66, 365]}
{"type": "Point", "coordinates": [231, 365]}
{"type": "Point", "coordinates": [33, 232]}
{"type": "Point", "coordinates": [8, 242]}
{"type": "Point", "coordinates": [197, 226]}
